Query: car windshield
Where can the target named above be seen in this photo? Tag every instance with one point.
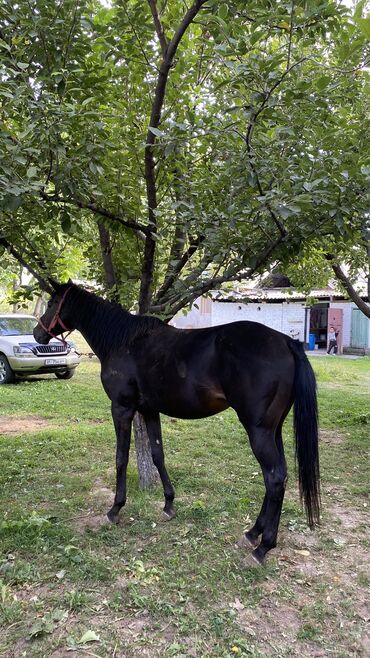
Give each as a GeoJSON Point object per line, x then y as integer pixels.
{"type": "Point", "coordinates": [17, 326]}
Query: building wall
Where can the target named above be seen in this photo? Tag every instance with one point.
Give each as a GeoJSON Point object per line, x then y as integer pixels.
{"type": "Point", "coordinates": [347, 321]}
{"type": "Point", "coordinates": [200, 315]}
{"type": "Point", "coordinates": [287, 317]}
{"type": "Point", "coordinates": [347, 313]}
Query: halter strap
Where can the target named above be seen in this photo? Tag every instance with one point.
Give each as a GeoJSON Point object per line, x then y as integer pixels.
{"type": "Point", "coordinates": [54, 321]}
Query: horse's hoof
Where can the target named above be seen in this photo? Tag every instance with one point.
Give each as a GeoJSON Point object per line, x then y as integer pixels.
{"type": "Point", "coordinates": [250, 561]}
{"type": "Point", "coordinates": [245, 542]}
{"type": "Point", "coordinates": [168, 516]}
{"type": "Point", "coordinates": [113, 517]}
{"type": "Point", "coordinates": [259, 559]}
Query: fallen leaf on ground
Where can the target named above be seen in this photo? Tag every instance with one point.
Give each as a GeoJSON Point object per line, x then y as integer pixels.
{"type": "Point", "coordinates": [89, 636]}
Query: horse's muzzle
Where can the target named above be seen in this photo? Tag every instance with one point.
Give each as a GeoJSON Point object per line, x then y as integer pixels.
{"type": "Point", "coordinates": [40, 335]}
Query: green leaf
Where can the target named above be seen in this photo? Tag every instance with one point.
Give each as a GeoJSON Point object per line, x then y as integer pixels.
{"type": "Point", "coordinates": [223, 11]}
{"type": "Point", "coordinates": [11, 202]}
{"type": "Point", "coordinates": [41, 628]}
{"type": "Point", "coordinates": [6, 94]}
{"type": "Point", "coordinates": [89, 636]}
{"type": "Point", "coordinates": [156, 131]}
{"type": "Point", "coordinates": [256, 36]}
{"type": "Point", "coordinates": [66, 222]}
{"type": "Point", "coordinates": [322, 82]}
{"type": "Point", "coordinates": [359, 9]}
{"type": "Point", "coordinates": [364, 25]}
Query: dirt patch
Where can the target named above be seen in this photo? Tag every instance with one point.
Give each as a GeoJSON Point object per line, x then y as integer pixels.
{"type": "Point", "coordinates": [91, 522]}
{"type": "Point", "coordinates": [331, 437]}
{"type": "Point", "coordinates": [22, 424]}
{"type": "Point", "coordinates": [102, 499]}
{"type": "Point", "coordinates": [64, 653]}
{"type": "Point", "coordinates": [321, 585]}
{"type": "Point", "coordinates": [271, 614]}
{"type": "Point", "coordinates": [18, 649]}
{"type": "Point", "coordinates": [131, 627]}
{"type": "Point", "coordinates": [350, 519]}
{"type": "Point", "coordinates": [101, 493]}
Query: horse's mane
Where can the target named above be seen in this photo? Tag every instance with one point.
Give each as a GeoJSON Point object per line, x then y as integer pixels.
{"type": "Point", "coordinates": [109, 325]}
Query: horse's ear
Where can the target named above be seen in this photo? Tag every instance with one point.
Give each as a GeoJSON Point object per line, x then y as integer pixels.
{"type": "Point", "coordinates": [54, 283]}
{"type": "Point", "coordinates": [70, 282]}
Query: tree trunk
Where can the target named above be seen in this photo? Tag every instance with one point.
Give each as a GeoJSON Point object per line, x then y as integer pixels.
{"type": "Point", "coordinates": [39, 306]}
{"type": "Point", "coordinates": [148, 474]}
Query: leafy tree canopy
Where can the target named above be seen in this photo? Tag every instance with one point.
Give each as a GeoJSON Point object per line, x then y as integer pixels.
{"type": "Point", "coordinates": [164, 148]}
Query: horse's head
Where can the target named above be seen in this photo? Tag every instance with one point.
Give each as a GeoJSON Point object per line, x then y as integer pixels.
{"type": "Point", "coordinates": [56, 317]}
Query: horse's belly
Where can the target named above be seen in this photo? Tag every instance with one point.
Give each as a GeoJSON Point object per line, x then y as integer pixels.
{"type": "Point", "coordinates": [188, 401]}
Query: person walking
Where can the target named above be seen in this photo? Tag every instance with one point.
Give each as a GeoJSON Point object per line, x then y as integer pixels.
{"type": "Point", "coordinates": [333, 344]}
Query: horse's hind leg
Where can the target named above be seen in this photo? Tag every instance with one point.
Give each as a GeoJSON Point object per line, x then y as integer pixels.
{"type": "Point", "coordinates": [270, 455]}
{"type": "Point", "coordinates": [153, 425]}
{"type": "Point", "coordinates": [251, 536]}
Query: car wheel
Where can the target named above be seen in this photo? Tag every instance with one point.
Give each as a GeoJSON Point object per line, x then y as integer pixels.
{"type": "Point", "coordinates": [7, 375]}
{"type": "Point", "coordinates": [67, 374]}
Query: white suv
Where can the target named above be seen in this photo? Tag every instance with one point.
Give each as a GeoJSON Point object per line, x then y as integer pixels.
{"type": "Point", "coordinates": [20, 354]}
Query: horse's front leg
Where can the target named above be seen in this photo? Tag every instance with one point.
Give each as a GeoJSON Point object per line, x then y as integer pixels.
{"type": "Point", "coordinates": [122, 418]}
{"type": "Point", "coordinates": [153, 425]}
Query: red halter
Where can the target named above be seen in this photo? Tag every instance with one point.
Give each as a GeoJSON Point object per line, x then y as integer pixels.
{"type": "Point", "coordinates": [57, 319]}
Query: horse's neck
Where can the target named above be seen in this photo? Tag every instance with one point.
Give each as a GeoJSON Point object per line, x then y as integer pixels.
{"type": "Point", "coordinates": [89, 324]}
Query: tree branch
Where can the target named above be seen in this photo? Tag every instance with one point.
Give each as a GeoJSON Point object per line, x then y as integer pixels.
{"type": "Point", "coordinates": [178, 301]}
{"type": "Point", "coordinates": [140, 229]}
{"type": "Point", "coordinates": [177, 269]}
{"type": "Point", "coordinates": [290, 35]}
{"type": "Point", "coordinates": [44, 285]}
{"type": "Point", "coordinates": [346, 283]}
{"type": "Point", "coordinates": [150, 179]}
{"type": "Point", "coordinates": [158, 26]}
{"type": "Point", "coordinates": [106, 251]}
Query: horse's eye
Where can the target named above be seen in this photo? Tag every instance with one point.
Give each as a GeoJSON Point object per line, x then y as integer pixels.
{"type": "Point", "coordinates": [49, 304]}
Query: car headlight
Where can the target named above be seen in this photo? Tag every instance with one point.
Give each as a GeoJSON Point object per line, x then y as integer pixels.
{"type": "Point", "coordinates": [72, 347]}
{"type": "Point", "coordinates": [22, 351]}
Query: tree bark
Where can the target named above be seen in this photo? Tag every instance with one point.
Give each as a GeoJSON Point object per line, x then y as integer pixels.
{"type": "Point", "coordinates": [106, 251]}
{"type": "Point", "coordinates": [39, 306]}
{"type": "Point", "coordinates": [148, 474]}
{"type": "Point", "coordinates": [144, 458]}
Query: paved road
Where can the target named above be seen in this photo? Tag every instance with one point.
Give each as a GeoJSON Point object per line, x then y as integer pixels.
{"type": "Point", "coordinates": [334, 356]}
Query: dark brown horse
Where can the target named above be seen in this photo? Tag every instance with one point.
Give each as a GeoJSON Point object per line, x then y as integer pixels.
{"type": "Point", "coordinates": [151, 367]}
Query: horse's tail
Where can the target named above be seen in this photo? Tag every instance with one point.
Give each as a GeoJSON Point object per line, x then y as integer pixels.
{"type": "Point", "coordinates": [306, 433]}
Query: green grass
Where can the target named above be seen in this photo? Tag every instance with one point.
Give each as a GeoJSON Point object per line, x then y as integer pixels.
{"type": "Point", "coordinates": [147, 588]}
